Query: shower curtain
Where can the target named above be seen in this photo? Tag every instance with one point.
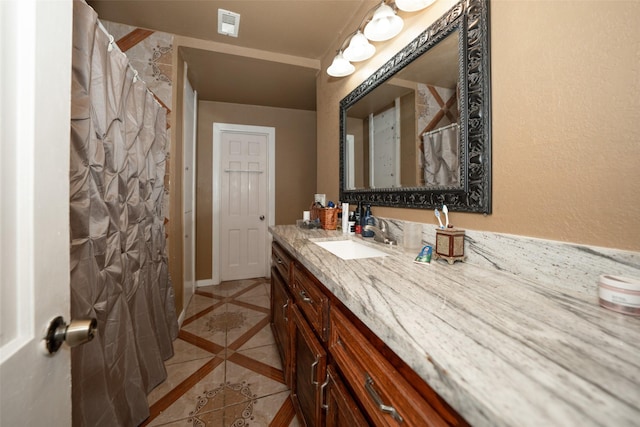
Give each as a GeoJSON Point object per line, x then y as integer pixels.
{"type": "Point", "coordinates": [441, 166]}
{"type": "Point", "coordinates": [119, 269]}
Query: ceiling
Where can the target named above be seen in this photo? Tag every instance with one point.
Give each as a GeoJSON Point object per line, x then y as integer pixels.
{"type": "Point", "coordinates": [293, 36]}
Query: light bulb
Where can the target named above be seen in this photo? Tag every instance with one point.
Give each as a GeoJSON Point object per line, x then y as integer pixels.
{"type": "Point", "coordinates": [384, 24]}
{"type": "Point", "coordinates": [359, 48]}
{"type": "Point", "coordinates": [340, 67]}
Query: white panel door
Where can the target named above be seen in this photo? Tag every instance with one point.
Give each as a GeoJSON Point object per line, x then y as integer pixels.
{"type": "Point", "coordinates": [383, 152]}
{"type": "Point", "coordinates": [35, 82]}
{"type": "Point", "coordinates": [243, 208]}
{"type": "Point", "coordinates": [349, 163]}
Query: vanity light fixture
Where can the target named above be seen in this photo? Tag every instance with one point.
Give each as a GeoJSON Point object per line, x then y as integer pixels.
{"type": "Point", "coordinates": [413, 5]}
{"type": "Point", "coordinates": [383, 25]}
{"type": "Point", "coordinates": [340, 67]}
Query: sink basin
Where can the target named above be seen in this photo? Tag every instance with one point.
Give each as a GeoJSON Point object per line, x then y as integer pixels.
{"type": "Point", "coordinates": [349, 249]}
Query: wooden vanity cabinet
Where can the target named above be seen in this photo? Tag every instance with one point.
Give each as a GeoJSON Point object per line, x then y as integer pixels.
{"type": "Point", "coordinates": [281, 302]}
{"type": "Point", "coordinates": [309, 370]}
{"type": "Point", "coordinates": [386, 396]}
{"type": "Point", "coordinates": [282, 261]}
{"type": "Point", "coordinates": [341, 374]}
{"type": "Point", "coordinates": [314, 303]}
{"type": "Point", "coordinates": [280, 307]}
{"type": "Point", "coordinates": [341, 410]}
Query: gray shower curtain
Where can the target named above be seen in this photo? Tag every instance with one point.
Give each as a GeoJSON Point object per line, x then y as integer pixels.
{"type": "Point", "coordinates": [119, 269]}
{"type": "Point", "coordinates": [441, 166]}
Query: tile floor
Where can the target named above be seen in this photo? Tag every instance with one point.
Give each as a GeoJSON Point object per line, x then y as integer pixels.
{"type": "Point", "coordinates": [226, 370]}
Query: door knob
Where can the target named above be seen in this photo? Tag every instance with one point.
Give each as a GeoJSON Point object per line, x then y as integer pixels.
{"type": "Point", "coordinates": [75, 333]}
{"type": "Point", "coordinates": [261, 217]}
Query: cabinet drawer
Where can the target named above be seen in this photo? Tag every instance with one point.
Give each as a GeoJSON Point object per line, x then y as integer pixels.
{"type": "Point", "coordinates": [386, 396]}
{"type": "Point", "coordinates": [281, 260]}
{"type": "Point", "coordinates": [309, 297]}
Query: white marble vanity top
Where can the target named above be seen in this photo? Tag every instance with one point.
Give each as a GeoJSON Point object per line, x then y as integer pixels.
{"type": "Point", "coordinates": [501, 349]}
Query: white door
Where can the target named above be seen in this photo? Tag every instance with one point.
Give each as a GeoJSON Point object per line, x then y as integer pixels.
{"type": "Point", "coordinates": [245, 212]}
{"type": "Point", "coordinates": [349, 163]}
{"type": "Point", "coordinates": [35, 82]}
{"type": "Point", "coordinates": [385, 149]}
{"type": "Point", "coordinates": [190, 108]}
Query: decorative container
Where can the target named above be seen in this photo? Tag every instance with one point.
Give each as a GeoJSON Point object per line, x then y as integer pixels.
{"type": "Point", "coordinates": [328, 216]}
{"type": "Point", "coordinates": [449, 244]}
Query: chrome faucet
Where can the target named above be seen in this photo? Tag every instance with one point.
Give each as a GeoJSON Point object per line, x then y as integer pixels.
{"type": "Point", "coordinates": [381, 231]}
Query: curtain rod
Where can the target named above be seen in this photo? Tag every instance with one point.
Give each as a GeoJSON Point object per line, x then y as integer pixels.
{"type": "Point", "coordinates": [440, 129]}
{"type": "Point", "coordinates": [136, 76]}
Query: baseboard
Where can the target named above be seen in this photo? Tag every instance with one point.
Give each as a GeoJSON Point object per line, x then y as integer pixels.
{"type": "Point", "coordinates": [206, 282]}
{"type": "Point", "coordinates": [181, 317]}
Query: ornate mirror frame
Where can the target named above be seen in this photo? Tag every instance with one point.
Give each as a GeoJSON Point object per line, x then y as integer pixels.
{"type": "Point", "coordinates": [471, 18]}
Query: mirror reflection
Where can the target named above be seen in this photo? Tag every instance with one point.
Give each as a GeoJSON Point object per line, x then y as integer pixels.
{"type": "Point", "coordinates": [406, 132]}
{"type": "Point", "coordinates": [417, 132]}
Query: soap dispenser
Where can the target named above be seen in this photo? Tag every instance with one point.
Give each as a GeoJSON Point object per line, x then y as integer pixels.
{"type": "Point", "coordinates": [367, 220]}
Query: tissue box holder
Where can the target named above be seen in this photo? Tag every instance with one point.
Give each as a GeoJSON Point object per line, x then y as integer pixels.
{"type": "Point", "coordinates": [449, 245]}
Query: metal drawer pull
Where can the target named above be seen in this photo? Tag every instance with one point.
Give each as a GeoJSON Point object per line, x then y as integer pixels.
{"type": "Point", "coordinates": [368, 384]}
{"type": "Point", "coordinates": [305, 298]}
{"type": "Point", "coordinates": [314, 365]}
{"type": "Point", "coordinates": [279, 261]}
{"type": "Point", "coordinates": [323, 394]}
{"type": "Point", "coordinates": [284, 311]}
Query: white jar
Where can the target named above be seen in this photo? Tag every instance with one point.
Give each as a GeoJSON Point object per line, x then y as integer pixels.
{"type": "Point", "coordinates": [621, 294]}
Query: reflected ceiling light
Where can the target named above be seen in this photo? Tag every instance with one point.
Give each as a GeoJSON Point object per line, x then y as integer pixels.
{"type": "Point", "coordinates": [359, 48]}
{"type": "Point", "coordinates": [340, 67]}
{"type": "Point", "coordinates": [384, 24]}
{"type": "Point", "coordinates": [413, 5]}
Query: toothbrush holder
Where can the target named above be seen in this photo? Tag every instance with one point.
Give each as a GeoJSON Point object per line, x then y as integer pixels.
{"type": "Point", "coordinates": [449, 244]}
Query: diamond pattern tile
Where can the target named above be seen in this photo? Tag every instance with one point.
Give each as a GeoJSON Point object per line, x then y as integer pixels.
{"type": "Point", "coordinates": [226, 370]}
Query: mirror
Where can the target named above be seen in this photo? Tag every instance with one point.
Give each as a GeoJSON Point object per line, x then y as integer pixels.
{"type": "Point", "coordinates": [416, 133]}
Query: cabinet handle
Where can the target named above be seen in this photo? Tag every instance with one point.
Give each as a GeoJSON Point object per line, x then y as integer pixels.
{"type": "Point", "coordinates": [284, 311]}
{"type": "Point", "coordinates": [323, 394]}
{"type": "Point", "coordinates": [279, 261]}
{"type": "Point", "coordinates": [305, 298]}
{"type": "Point", "coordinates": [314, 365]}
{"type": "Point", "coordinates": [368, 384]}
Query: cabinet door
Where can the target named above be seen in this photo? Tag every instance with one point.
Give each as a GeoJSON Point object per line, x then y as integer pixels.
{"type": "Point", "coordinates": [342, 410]}
{"type": "Point", "coordinates": [309, 368]}
{"type": "Point", "coordinates": [280, 301]}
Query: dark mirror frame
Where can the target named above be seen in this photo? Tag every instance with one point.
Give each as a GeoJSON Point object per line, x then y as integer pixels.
{"type": "Point", "coordinates": [471, 18]}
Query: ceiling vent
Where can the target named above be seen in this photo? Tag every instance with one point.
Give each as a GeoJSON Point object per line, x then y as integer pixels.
{"type": "Point", "coordinates": [228, 23]}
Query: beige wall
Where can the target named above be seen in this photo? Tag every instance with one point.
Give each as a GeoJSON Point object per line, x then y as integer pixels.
{"type": "Point", "coordinates": [566, 133]}
{"type": "Point", "coordinates": [295, 165]}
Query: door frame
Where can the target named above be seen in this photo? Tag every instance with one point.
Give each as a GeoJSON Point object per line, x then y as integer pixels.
{"type": "Point", "coordinates": [189, 270]}
{"type": "Point", "coordinates": [270, 133]}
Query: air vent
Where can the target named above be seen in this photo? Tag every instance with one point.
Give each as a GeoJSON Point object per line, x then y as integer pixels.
{"type": "Point", "coordinates": [228, 23]}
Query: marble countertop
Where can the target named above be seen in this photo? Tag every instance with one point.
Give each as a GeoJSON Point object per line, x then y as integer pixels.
{"type": "Point", "coordinates": [502, 350]}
